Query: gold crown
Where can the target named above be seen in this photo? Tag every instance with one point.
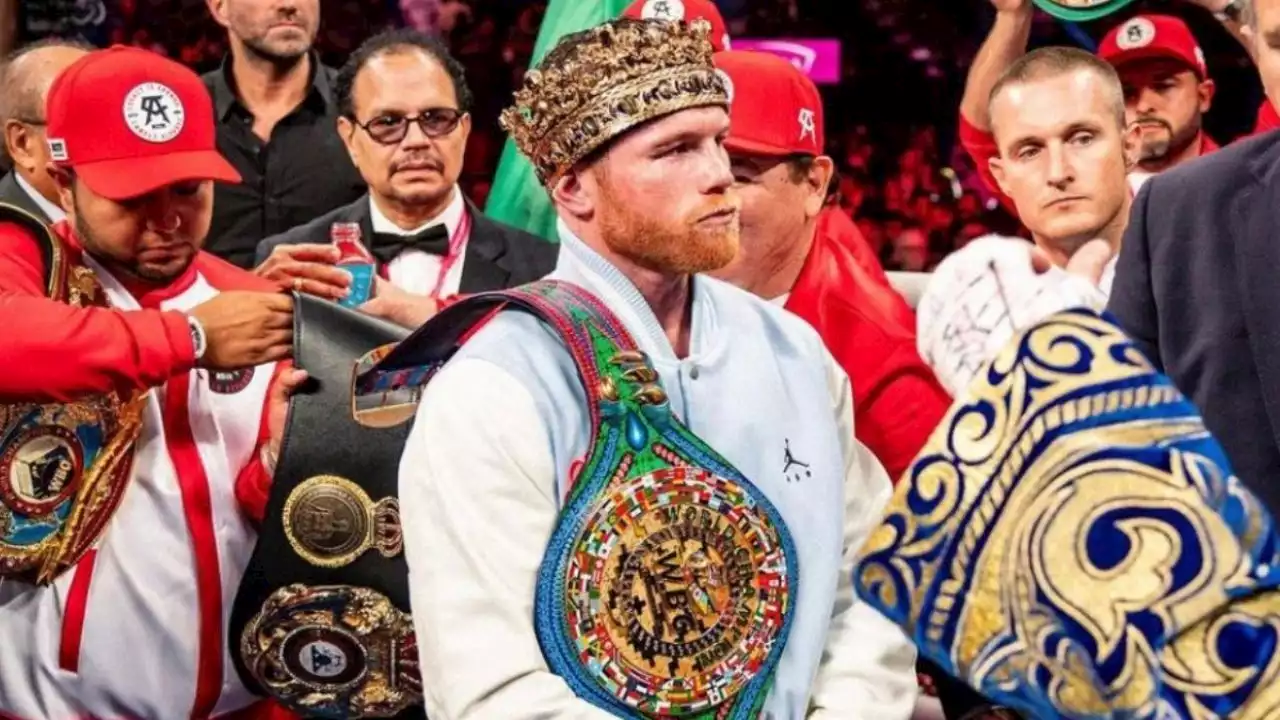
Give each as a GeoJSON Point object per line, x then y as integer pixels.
{"type": "Point", "coordinates": [604, 82]}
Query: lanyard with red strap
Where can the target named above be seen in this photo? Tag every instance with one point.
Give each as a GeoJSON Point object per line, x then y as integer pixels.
{"type": "Point", "coordinates": [456, 244]}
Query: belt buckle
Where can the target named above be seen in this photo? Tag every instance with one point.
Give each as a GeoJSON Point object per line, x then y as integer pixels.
{"type": "Point", "coordinates": [334, 651]}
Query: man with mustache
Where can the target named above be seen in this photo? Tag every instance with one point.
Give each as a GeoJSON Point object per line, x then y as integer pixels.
{"type": "Point", "coordinates": [1196, 282]}
{"type": "Point", "coordinates": [625, 124]}
{"type": "Point", "coordinates": [118, 307]}
{"type": "Point", "coordinates": [403, 102]}
{"type": "Point", "coordinates": [1167, 88]}
{"type": "Point", "coordinates": [275, 106]}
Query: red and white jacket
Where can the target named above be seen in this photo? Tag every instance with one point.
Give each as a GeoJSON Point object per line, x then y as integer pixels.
{"type": "Point", "coordinates": [138, 628]}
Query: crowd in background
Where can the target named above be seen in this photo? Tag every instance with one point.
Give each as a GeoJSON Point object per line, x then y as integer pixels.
{"type": "Point", "coordinates": [891, 120]}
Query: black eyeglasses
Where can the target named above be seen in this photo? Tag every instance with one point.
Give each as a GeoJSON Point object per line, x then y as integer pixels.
{"type": "Point", "coordinates": [391, 129]}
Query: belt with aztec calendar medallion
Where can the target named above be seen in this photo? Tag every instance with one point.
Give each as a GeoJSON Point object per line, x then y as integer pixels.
{"type": "Point", "coordinates": [669, 584]}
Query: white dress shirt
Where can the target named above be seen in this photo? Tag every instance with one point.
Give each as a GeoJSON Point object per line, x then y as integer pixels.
{"type": "Point", "coordinates": [416, 271]}
{"type": "Point", "coordinates": [55, 213]}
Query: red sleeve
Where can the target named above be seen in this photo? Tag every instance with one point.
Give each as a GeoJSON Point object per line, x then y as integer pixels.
{"type": "Point", "coordinates": [981, 146]}
{"type": "Point", "coordinates": [900, 411]}
{"type": "Point", "coordinates": [897, 401]}
{"type": "Point", "coordinates": [253, 484]}
{"type": "Point", "coordinates": [53, 352]}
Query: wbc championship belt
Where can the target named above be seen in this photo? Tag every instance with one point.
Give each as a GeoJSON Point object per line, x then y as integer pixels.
{"type": "Point", "coordinates": [669, 583]}
{"type": "Point", "coordinates": [63, 466]}
{"type": "Point", "coordinates": [320, 622]}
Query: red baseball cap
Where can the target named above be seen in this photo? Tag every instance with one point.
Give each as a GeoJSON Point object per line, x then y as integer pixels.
{"type": "Point", "coordinates": [774, 108]}
{"type": "Point", "coordinates": [130, 121]}
{"type": "Point", "coordinates": [683, 10]}
{"type": "Point", "coordinates": [1153, 36]}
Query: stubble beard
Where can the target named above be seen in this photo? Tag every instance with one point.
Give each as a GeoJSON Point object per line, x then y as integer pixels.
{"type": "Point", "coordinates": [131, 267]}
{"type": "Point", "coordinates": [684, 248]}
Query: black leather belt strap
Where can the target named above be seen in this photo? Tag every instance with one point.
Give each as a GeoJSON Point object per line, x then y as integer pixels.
{"type": "Point", "coordinates": [323, 439]}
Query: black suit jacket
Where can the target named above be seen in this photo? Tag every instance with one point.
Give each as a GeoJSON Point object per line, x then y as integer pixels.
{"type": "Point", "coordinates": [1198, 289]}
{"type": "Point", "coordinates": [497, 257]}
{"type": "Point", "coordinates": [11, 193]}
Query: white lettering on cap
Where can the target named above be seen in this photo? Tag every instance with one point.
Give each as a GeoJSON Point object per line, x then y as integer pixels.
{"type": "Point", "coordinates": [662, 10]}
{"type": "Point", "coordinates": [1138, 32]}
{"type": "Point", "coordinates": [807, 125]}
{"type": "Point", "coordinates": [153, 112]}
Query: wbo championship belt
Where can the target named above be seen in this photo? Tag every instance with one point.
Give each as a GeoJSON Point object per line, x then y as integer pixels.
{"type": "Point", "coordinates": [320, 622]}
{"type": "Point", "coordinates": [64, 467]}
{"type": "Point", "coordinates": [1071, 542]}
{"type": "Point", "coordinates": [669, 583]}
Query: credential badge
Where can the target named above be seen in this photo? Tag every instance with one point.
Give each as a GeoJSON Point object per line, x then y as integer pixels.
{"type": "Point", "coordinates": [153, 112]}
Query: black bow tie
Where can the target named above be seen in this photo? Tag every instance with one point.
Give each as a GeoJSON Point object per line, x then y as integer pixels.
{"type": "Point", "coordinates": [388, 246]}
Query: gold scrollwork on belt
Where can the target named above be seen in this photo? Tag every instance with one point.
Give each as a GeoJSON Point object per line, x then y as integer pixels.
{"type": "Point", "coordinates": [330, 521]}
{"type": "Point", "coordinates": [334, 651]}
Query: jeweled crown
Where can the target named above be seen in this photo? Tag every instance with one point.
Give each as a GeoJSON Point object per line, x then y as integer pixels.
{"type": "Point", "coordinates": [596, 85]}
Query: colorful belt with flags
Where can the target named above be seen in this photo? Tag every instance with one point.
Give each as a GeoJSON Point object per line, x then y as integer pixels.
{"type": "Point", "coordinates": [669, 584]}
{"type": "Point", "coordinates": [63, 466]}
{"type": "Point", "coordinates": [1071, 542]}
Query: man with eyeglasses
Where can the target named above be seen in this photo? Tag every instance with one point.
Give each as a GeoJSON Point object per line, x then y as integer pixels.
{"type": "Point", "coordinates": [403, 102]}
{"type": "Point", "coordinates": [24, 85]}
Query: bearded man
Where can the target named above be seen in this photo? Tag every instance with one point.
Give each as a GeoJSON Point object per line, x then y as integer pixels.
{"type": "Point", "coordinates": [625, 124]}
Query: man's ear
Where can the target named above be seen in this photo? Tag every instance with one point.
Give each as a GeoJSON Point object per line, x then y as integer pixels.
{"type": "Point", "coordinates": [575, 192]}
{"type": "Point", "coordinates": [996, 164]}
{"type": "Point", "coordinates": [1130, 142]}
{"type": "Point", "coordinates": [1206, 91]}
{"type": "Point", "coordinates": [821, 170]}
{"type": "Point", "coordinates": [62, 179]}
{"type": "Point", "coordinates": [17, 143]}
{"type": "Point", "coordinates": [218, 9]}
{"type": "Point", "coordinates": [347, 133]}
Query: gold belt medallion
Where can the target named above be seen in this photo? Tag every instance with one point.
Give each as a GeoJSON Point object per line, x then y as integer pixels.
{"type": "Point", "coordinates": [334, 651]}
{"type": "Point", "coordinates": [330, 521]}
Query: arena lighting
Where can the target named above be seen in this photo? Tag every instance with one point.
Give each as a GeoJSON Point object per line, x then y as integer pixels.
{"type": "Point", "coordinates": [819, 58]}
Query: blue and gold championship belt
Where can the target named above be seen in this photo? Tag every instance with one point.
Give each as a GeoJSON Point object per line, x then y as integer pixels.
{"type": "Point", "coordinates": [1071, 542]}
{"type": "Point", "coordinates": [668, 585]}
{"type": "Point", "coordinates": [321, 620]}
{"type": "Point", "coordinates": [64, 467]}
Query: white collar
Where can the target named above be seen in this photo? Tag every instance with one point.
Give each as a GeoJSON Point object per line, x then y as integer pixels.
{"type": "Point", "coordinates": [451, 216]}
{"type": "Point", "coordinates": [55, 213]}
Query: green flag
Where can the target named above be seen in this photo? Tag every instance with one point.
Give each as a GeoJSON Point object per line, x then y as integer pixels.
{"type": "Point", "coordinates": [517, 198]}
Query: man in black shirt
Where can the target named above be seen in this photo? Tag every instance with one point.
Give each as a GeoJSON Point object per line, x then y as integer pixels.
{"type": "Point", "coordinates": [274, 105]}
